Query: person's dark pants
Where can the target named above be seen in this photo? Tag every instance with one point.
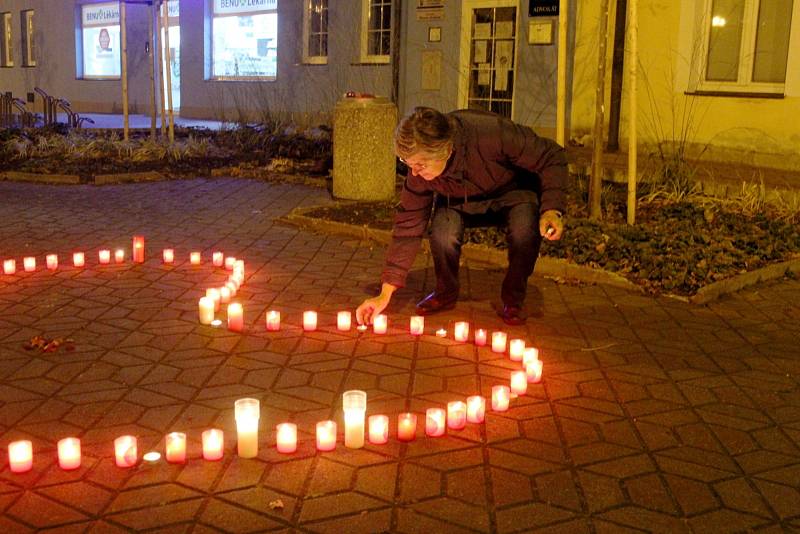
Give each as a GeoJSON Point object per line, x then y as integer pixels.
{"type": "Point", "coordinates": [522, 222]}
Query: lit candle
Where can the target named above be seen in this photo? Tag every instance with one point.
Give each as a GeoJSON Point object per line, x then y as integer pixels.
{"type": "Point", "coordinates": [52, 261]}
{"type": "Point", "coordinates": [407, 426]}
{"type": "Point", "coordinates": [286, 437]}
{"type": "Point", "coordinates": [104, 256]}
{"type": "Point", "coordinates": [326, 435]}
{"type": "Point", "coordinates": [441, 333]}
{"type": "Point", "coordinates": [238, 266]}
{"type": "Point", "coordinates": [235, 317]}
{"type": "Point", "coordinates": [499, 341]}
{"type": "Point", "coordinates": [217, 259]}
{"type": "Point", "coordinates": [354, 403]}
{"type": "Point", "coordinates": [416, 325]}
{"type": "Point", "coordinates": [530, 355]}
{"type": "Point", "coordinates": [20, 456]}
{"type": "Point", "coordinates": [119, 255]}
{"type": "Point", "coordinates": [125, 451]}
{"type": "Point", "coordinates": [379, 324]}
{"type": "Point", "coordinates": [206, 310]}
{"type": "Point", "coordinates": [516, 347]}
{"type": "Point", "coordinates": [533, 370]}
{"type": "Point", "coordinates": [461, 331]}
{"type": "Point", "coordinates": [29, 264]}
{"type": "Point", "coordinates": [309, 321]}
{"type": "Point", "coordinates": [225, 294]}
{"type": "Point", "coordinates": [9, 266]}
{"type": "Point", "coordinates": [213, 294]}
{"type": "Point", "coordinates": [236, 278]}
{"type": "Point", "coordinates": [378, 429]}
{"type": "Point", "coordinates": [213, 444]}
{"type": "Point", "coordinates": [456, 415]}
{"type": "Point", "coordinates": [480, 337]}
{"type": "Point", "coordinates": [138, 249]}
{"type": "Point", "coordinates": [273, 320]}
{"type": "Point", "coordinates": [500, 398]}
{"type": "Point", "coordinates": [519, 382]}
{"type": "Point", "coordinates": [233, 287]}
{"type": "Point", "coordinates": [476, 409]}
{"type": "Point", "coordinates": [435, 422]}
{"type": "Point", "coordinates": [69, 453]}
{"type": "Point", "coordinates": [78, 259]}
{"type": "Point", "coordinates": [229, 261]}
{"type": "Point", "coordinates": [176, 447]}
{"type": "Point", "coordinates": [247, 413]}
{"type": "Point", "coordinates": [344, 320]}
{"type": "Point", "coordinates": [168, 254]}
{"type": "Point", "coordinates": [194, 258]}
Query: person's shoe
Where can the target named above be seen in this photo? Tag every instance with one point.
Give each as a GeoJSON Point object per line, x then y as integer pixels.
{"type": "Point", "coordinates": [435, 303]}
{"type": "Point", "coordinates": [511, 315]}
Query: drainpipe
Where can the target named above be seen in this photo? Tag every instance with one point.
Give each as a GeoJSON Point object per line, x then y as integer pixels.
{"type": "Point", "coordinates": [397, 19]}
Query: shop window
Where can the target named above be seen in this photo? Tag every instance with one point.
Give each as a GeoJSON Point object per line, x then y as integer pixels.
{"type": "Point", "coordinates": [244, 36]}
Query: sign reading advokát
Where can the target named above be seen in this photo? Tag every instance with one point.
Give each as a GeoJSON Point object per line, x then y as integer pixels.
{"type": "Point", "coordinates": [243, 6]}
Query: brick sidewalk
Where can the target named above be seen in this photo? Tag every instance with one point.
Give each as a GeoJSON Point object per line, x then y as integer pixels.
{"type": "Point", "coordinates": [653, 414]}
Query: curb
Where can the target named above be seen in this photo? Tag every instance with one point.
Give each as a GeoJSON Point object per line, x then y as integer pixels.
{"type": "Point", "coordinates": [17, 176]}
{"type": "Point", "coordinates": [730, 285]}
{"type": "Point", "coordinates": [128, 177]}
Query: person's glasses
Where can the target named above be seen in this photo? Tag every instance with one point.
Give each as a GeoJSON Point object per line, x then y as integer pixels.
{"type": "Point", "coordinates": [413, 166]}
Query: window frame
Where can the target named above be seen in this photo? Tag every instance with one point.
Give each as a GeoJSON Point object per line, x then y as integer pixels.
{"type": "Point", "coordinates": [366, 57]}
{"type": "Point", "coordinates": [7, 44]}
{"type": "Point", "coordinates": [743, 83]}
{"type": "Point", "coordinates": [224, 78]}
{"type": "Point", "coordinates": [27, 18]}
{"type": "Point", "coordinates": [307, 58]}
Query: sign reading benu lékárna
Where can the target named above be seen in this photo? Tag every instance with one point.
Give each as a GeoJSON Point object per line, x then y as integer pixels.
{"type": "Point", "coordinates": [230, 7]}
{"type": "Point", "coordinates": [100, 14]}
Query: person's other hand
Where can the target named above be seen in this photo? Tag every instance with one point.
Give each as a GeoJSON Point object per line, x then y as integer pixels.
{"type": "Point", "coordinates": [551, 225]}
{"type": "Point", "coordinates": [371, 307]}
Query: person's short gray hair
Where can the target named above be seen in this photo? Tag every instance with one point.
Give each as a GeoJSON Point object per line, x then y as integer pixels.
{"type": "Point", "coordinates": [424, 130]}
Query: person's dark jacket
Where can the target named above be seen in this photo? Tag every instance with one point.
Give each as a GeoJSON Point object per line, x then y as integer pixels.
{"type": "Point", "coordinates": [491, 154]}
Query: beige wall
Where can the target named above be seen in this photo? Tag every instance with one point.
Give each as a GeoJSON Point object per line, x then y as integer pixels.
{"type": "Point", "coordinates": [757, 131]}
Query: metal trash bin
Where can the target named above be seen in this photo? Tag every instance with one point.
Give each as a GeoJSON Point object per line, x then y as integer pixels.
{"type": "Point", "coordinates": [363, 148]}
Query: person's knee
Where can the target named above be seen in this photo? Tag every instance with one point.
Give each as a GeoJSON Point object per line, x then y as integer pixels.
{"type": "Point", "coordinates": [523, 224]}
{"type": "Point", "coordinates": [446, 227]}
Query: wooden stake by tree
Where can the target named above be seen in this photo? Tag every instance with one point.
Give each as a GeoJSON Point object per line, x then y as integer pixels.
{"type": "Point", "coordinates": [151, 61]}
{"type": "Point", "coordinates": [159, 46]}
{"type": "Point", "coordinates": [168, 74]}
{"type": "Point", "coordinates": [596, 183]}
{"type": "Point", "coordinates": [123, 23]}
{"type": "Point", "coordinates": [561, 98]}
{"type": "Point", "coordinates": [633, 61]}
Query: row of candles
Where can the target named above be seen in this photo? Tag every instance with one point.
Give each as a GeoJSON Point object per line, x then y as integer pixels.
{"type": "Point", "coordinates": [104, 258]}
{"type": "Point", "coordinates": [247, 415]}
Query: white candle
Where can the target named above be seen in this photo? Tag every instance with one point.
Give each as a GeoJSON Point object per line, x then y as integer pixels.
{"type": "Point", "coordinates": [69, 453]}
{"type": "Point", "coordinates": [119, 255]}
{"type": "Point", "coordinates": [326, 435]}
{"type": "Point", "coordinates": [104, 256]}
{"type": "Point", "coordinates": [344, 320]}
{"type": "Point", "coordinates": [476, 409]}
{"type": "Point", "coordinates": [309, 321]}
{"type": "Point", "coordinates": [78, 259]}
{"type": "Point", "coordinates": [499, 341]}
{"type": "Point", "coordinates": [406, 426]}
{"type": "Point", "coordinates": [229, 261]}
{"type": "Point", "coordinates": [519, 382]}
{"type": "Point", "coordinates": [20, 456]}
{"type": "Point", "coordinates": [456, 415]}
{"type": "Point", "coordinates": [194, 258]}
{"type": "Point", "coordinates": [380, 323]}
{"type": "Point", "coordinates": [176, 447]}
{"type": "Point", "coordinates": [238, 267]}
{"type": "Point", "coordinates": [206, 310]}
{"type": "Point", "coordinates": [273, 320]}
{"type": "Point", "coordinates": [480, 337]}
{"type": "Point", "coordinates": [213, 294]}
{"type": "Point", "coordinates": [235, 317]}
{"type": "Point", "coordinates": [500, 398]}
{"type": "Point", "coordinates": [416, 325]}
{"type": "Point", "coordinates": [125, 451]}
{"type": "Point", "coordinates": [515, 349]}
{"type": "Point", "coordinates": [52, 261]}
{"type": "Point", "coordinates": [461, 331]}
{"type": "Point", "coordinates": [217, 259]}
{"type": "Point", "coordinates": [533, 370]}
{"type": "Point", "coordinates": [213, 444]}
{"type": "Point", "coordinates": [435, 422]}
{"type": "Point", "coordinates": [29, 264]}
{"type": "Point", "coordinates": [354, 403]}
{"type": "Point", "coordinates": [441, 333]}
{"type": "Point", "coordinates": [9, 266]}
{"type": "Point", "coordinates": [224, 294]}
{"type": "Point", "coordinates": [286, 437]}
{"type": "Point", "coordinates": [378, 429]}
{"type": "Point", "coordinates": [530, 355]}
{"type": "Point", "coordinates": [168, 254]}
{"type": "Point", "coordinates": [233, 287]}
{"type": "Point", "coordinates": [247, 414]}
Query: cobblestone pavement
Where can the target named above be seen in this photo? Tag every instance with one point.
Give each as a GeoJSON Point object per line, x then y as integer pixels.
{"type": "Point", "coordinates": [654, 415]}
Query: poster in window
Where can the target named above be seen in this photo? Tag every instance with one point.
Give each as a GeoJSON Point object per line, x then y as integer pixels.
{"type": "Point", "coordinates": [484, 74]}
{"type": "Point", "coordinates": [504, 29]}
{"type": "Point", "coordinates": [502, 63]}
{"type": "Point", "coordinates": [483, 30]}
{"type": "Point", "coordinates": [480, 52]}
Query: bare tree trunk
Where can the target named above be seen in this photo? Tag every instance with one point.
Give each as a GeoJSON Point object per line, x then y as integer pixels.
{"type": "Point", "coordinates": [168, 72]}
{"type": "Point", "coordinates": [561, 91]}
{"type": "Point", "coordinates": [160, 46]}
{"type": "Point", "coordinates": [633, 62]}
{"type": "Point", "coordinates": [617, 70]}
{"type": "Point", "coordinates": [123, 24]}
{"type": "Point", "coordinates": [596, 183]}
